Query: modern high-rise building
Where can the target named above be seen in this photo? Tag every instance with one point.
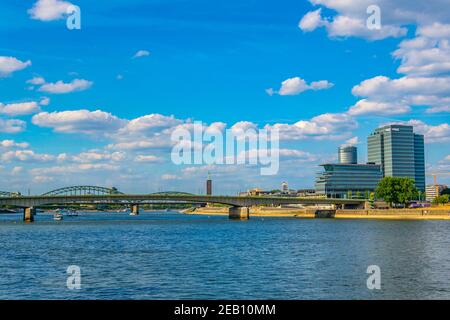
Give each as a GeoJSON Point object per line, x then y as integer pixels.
{"type": "Point", "coordinates": [347, 155]}
{"type": "Point", "coordinates": [348, 178]}
{"type": "Point", "coordinates": [399, 151]}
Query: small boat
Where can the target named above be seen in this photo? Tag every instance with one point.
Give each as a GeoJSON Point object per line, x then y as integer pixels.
{"type": "Point", "coordinates": [58, 216]}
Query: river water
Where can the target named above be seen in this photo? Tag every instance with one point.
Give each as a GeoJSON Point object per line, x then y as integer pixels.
{"type": "Point", "coordinates": [167, 255]}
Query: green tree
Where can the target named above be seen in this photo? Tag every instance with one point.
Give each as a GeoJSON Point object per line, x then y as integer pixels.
{"type": "Point", "coordinates": [446, 191]}
{"type": "Point", "coordinates": [397, 190]}
{"type": "Point", "coordinates": [443, 199]}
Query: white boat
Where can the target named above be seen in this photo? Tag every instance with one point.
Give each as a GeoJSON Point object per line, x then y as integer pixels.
{"type": "Point", "coordinates": [58, 216]}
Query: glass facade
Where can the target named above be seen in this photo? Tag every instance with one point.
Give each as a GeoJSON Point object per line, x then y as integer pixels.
{"type": "Point", "coordinates": [345, 180]}
{"type": "Point", "coordinates": [348, 155]}
{"type": "Point", "coordinates": [399, 152]}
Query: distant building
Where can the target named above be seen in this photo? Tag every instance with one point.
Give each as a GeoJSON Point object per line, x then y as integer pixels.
{"type": "Point", "coordinates": [284, 187]}
{"type": "Point", "coordinates": [432, 191]}
{"type": "Point", "coordinates": [347, 155]}
{"type": "Point", "coordinates": [209, 185]}
{"type": "Point", "coordinates": [348, 180]}
{"type": "Point", "coordinates": [399, 151]}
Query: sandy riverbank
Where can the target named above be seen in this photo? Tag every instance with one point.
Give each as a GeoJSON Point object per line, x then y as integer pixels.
{"type": "Point", "coordinates": [436, 213]}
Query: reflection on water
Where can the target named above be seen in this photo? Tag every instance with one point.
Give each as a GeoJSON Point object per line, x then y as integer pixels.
{"type": "Point", "coordinates": [174, 256]}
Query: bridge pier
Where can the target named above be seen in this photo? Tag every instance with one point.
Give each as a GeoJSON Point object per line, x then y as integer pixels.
{"type": "Point", "coordinates": [240, 213]}
{"type": "Point", "coordinates": [28, 214]}
{"type": "Point", "coordinates": [134, 210]}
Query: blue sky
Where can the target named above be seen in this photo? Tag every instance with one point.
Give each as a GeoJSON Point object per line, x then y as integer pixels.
{"type": "Point", "coordinates": [211, 62]}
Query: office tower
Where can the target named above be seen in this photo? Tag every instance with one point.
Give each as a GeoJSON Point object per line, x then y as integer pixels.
{"type": "Point", "coordinates": [399, 151]}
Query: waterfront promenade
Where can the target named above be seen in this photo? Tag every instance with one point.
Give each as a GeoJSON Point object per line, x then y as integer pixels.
{"type": "Point", "coordinates": [433, 213]}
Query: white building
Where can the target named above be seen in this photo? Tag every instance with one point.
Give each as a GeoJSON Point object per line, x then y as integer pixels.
{"type": "Point", "coordinates": [431, 189]}
{"type": "Point", "coordinates": [284, 187]}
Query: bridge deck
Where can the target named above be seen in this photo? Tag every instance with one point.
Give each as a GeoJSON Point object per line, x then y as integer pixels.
{"type": "Point", "coordinates": [35, 201]}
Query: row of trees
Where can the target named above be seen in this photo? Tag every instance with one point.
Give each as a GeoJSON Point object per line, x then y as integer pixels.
{"type": "Point", "coordinates": [398, 190]}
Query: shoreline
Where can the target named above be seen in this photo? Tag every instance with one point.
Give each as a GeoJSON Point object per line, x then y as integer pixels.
{"type": "Point", "coordinates": [377, 214]}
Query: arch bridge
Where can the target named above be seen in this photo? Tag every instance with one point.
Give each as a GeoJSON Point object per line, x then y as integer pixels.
{"type": "Point", "coordinates": [82, 190]}
{"type": "Point", "coordinates": [9, 194]}
{"type": "Point", "coordinates": [239, 206]}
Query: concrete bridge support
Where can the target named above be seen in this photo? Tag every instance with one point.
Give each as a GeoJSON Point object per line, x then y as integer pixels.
{"type": "Point", "coordinates": [28, 214]}
{"type": "Point", "coordinates": [241, 213]}
{"type": "Point", "coordinates": [135, 210]}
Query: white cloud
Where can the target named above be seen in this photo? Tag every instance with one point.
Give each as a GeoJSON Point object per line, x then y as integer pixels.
{"type": "Point", "coordinates": [352, 141]}
{"type": "Point", "coordinates": [48, 10]}
{"type": "Point", "coordinates": [44, 101]}
{"type": "Point", "coordinates": [36, 81]}
{"type": "Point", "coordinates": [433, 133]}
{"type": "Point", "coordinates": [60, 87]}
{"type": "Point", "coordinates": [365, 107]}
{"type": "Point", "coordinates": [8, 65]}
{"type": "Point", "coordinates": [296, 85]}
{"type": "Point", "coordinates": [19, 109]}
{"type": "Point", "coordinates": [25, 156]}
{"type": "Point", "coordinates": [13, 144]}
{"type": "Point", "coordinates": [387, 96]}
{"type": "Point", "coordinates": [348, 18]}
{"type": "Point", "coordinates": [147, 158]}
{"type": "Point", "coordinates": [16, 170]}
{"type": "Point", "coordinates": [74, 168]}
{"type": "Point", "coordinates": [311, 21]}
{"type": "Point", "coordinates": [141, 53]}
{"type": "Point", "coordinates": [12, 126]}
{"type": "Point", "coordinates": [96, 156]}
{"type": "Point", "coordinates": [331, 126]}
{"type": "Point", "coordinates": [79, 121]}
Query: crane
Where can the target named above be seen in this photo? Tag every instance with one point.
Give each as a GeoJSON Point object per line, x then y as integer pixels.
{"type": "Point", "coordinates": [434, 175]}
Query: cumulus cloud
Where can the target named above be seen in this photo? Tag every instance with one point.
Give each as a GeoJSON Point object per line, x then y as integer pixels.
{"type": "Point", "coordinates": [19, 109]}
{"type": "Point", "coordinates": [432, 133]}
{"type": "Point", "coordinates": [311, 21]}
{"type": "Point", "coordinates": [348, 18]}
{"type": "Point", "coordinates": [48, 10]}
{"type": "Point", "coordinates": [296, 85]}
{"type": "Point", "coordinates": [96, 156]}
{"type": "Point", "coordinates": [13, 144]}
{"type": "Point", "coordinates": [366, 107]}
{"type": "Point", "coordinates": [352, 141]}
{"type": "Point", "coordinates": [385, 96]}
{"type": "Point", "coordinates": [25, 156]}
{"type": "Point", "coordinates": [12, 125]}
{"type": "Point", "coordinates": [36, 81]}
{"type": "Point", "coordinates": [333, 126]}
{"type": "Point", "coordinates": [79, 121]}
{"type": "Point", "coordinates": [141, 53]}
{"type": "Point", "coordinates": [60, 87]}
{"type": "Point", "coordinates": [147, 158]}
{"type": "Point", "coordinates": [8, 65]}
{"type": "Point", "coordinates": [74, 168]}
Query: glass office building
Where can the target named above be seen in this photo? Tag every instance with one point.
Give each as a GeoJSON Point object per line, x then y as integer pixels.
{"type": "Point", "coordinates": [348, 180]}
{"type": "Point", "coordinates": [348, 155]}
{"type": "Point", "coordinates": [399, 151]}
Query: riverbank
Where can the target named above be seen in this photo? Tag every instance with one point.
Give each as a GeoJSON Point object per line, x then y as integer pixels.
{"type": "Point", "coordinates": [435, 213]}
